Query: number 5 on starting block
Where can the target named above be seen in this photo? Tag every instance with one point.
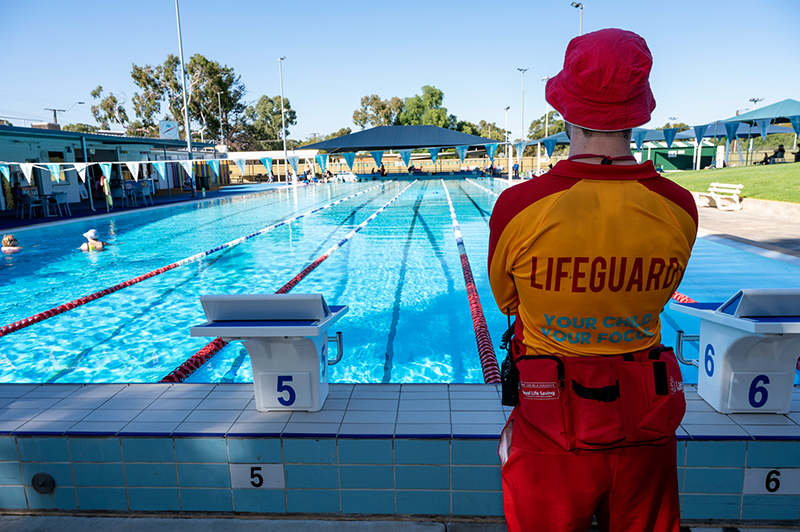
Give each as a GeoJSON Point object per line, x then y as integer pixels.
{"type": "Point", "coordinates": [284, 390]}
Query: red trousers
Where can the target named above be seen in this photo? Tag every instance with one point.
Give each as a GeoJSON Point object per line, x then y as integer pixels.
{"type": "Point", "coordinates": [628, 489]}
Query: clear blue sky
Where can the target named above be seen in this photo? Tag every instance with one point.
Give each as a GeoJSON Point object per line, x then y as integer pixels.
{"type": "Point", "coordinates": [711, 56]}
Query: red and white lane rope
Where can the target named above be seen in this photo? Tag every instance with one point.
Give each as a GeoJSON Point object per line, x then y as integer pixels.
{"type": "Point", "coordinates": [60, 309]}
{"type": "Point", "coordinates": [495, 194]}
{"type": "Point", "coordinates": [196, 361]}
{"type": "Point", "coordinates": [491, 371]}
{"type": "Point", "coordinates": [681, 298]}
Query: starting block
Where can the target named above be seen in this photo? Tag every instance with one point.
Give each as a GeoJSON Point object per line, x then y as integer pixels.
{"type": "Point", "coordinates": [286, 338]}
{"type": "Point", "coordinates": [749, 346]}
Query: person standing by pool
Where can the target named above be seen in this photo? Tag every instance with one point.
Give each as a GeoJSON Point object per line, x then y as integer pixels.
{"type": "Point", "coordinates": [585, 257]}
{"type": "Point", "coordinates": [92, 242]}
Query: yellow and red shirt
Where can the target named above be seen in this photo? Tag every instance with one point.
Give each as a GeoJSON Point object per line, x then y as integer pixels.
{"type": "Point", "coordinates": [588, 255]}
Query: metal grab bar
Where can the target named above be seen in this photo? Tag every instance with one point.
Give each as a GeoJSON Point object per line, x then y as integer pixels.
{"type": "Point", "coordinates": [338, 340]}
{"type": "Point", "coordinates": [679, 348]}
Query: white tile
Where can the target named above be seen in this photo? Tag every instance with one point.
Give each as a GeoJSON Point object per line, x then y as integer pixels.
{"type": "Point", "coordinates": [706, 418]}
{"type": "Point", "coordinates": [374, 394]}
{"type": "Point", "coordinates": [331, 416]}
{"type": "Point", "coordinates": [335, 404]}
{"type": "Point", "coordinates": [49, 427]}
{"type": "Point", "coordinates": [16, 390]}
{"type": "Point", "coordinates": [112, 415]}
{"type": "Point", "coordinates": [213, 416]}
{"type": "Point", "coordinates": [224, 404]}
{"type": "Point", "coordinates": [6, 400]}
{"type": "Point", "coordinates": [477, 418]}
{"type": "Point", "coordinates": [361, 416]}
{"type": "Point", "coordinates": [341, 387]}
{"type": "Point", "coordinates": [175, 404]}
{"type": "Point", "coordinates": [491, 430]}
{"type": "Point", "coordinates": [794, 416]}
{"type": "Point", "coordinates": [177, 392]}
{"type": "Point", "coordinates": [681, 432]}
{"type": "Point", "coordinates": [470, 387]}
{"type": "Point", "coordinates": [150, 427]}
{"type": "Point", "coordinates": [52, 390]}
{"type": "Point", "coordinates": [699, 406]}
{"type": "Point", "coordinates": [764, 431]}
{"type": "Point", "coordinates": [422, 429]}
{"type": "Point", "coordinates": [413, 416]}
{"type": "Point", "coordinates": [230, 394]}
{"type": "Point", "coordinates": [126, 404]}
{"type": "Point", "coordinates": [761, 419]}
{"type": "Point", "coordinates": [338, 395]}
{"type": "Point", "coordinates": [161, 416]}
{"type": "Point", "coordinates": [97, 391]}
{"type": "Point", "coordinates": [372, 404]}
{"type": "Point", "coordinates": [709, 431]}
{"type": "Point", "coordinates": [15, 414]}
{"type": "Point", "coordinates": [376, 386]}
{"type": "Point", "coordinates": [79, 404]}
{"type": "Point", "coordinates": [62, 415]}
{"type": "Point", "coordinates": [203, 428]}
{"type": "Point", "coordinates": [478, 395]}
{"type": "Point", "coordinates": [422, 388]}
{"type": "Point", "coordinates": [254, 416]}
{"type": "Point", "coordinates": [142, 391]}
{"type": "Point", "coordinates": [473, 404]}
{"type": "Point", "coordinates": [247, 429]}
{"type": "Point", "coordinates": [428, 405]}
{"type": "Point", "coordinates": [357, 429]}
{"type": "Point", "coordinates": [104, 427]}
{"type": "Point", "coordinates": [427, 396]}
{"type": "Point", "coordinates": [31, 404]}
{"type": "Point", "coordinates": [330, 429]}
{"type": "Point", "coordinates": [10, 426]}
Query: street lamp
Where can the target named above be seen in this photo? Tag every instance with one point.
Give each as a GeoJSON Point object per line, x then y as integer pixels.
{"type": "Point", "coordinates": [508, 148]}
{"type": "Point", "coordinates": [55, 117]}
{"type": "Point", "coordinates": [523, 70]}
{"type": "Point", "coordinates": [221, 135]}
{"type": "Point", "coordinates": [185, 101]}
{"type": "Point", "coordinates": [579, 5]}
{"type": "Point", "coordinates": [755, 101]}
{"type": "Point", "coordinates": [546, 128]}
{"type": "Point", "coordinates": [283, 121]}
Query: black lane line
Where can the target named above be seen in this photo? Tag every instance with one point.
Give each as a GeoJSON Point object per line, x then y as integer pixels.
{"type": "Point", "coordinates": [76, 360]}
{"type": "Point", "coordinates": [230, 375]}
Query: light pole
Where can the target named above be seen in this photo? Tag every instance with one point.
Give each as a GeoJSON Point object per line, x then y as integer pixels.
{"type": "Point", "coordinates": [508, 147]}
{"type": "Point", "coordinates": [55, 117]}
{"type": "Point", "coordinates": [579, 5]}
{"type": "Point", "coordinates": [221, 135]}
{"type": "Point", "coordinates": [523, 70]}
{"type": "Point", "coordinates": [755, 101]}
{"type": "Point", "coordinates": [185, 101]}
{"type": "Point", "coordinates": [283, 123]}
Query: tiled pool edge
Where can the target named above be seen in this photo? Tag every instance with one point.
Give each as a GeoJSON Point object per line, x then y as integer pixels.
{"type": "Point", "coordinates": [437, 458]}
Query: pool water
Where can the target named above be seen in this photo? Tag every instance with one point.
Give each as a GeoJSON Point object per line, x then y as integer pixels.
{"type": "Point", "coordinates": [409, 318]}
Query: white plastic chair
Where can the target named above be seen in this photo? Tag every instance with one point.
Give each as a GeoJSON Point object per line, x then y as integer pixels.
{"type": "Point", "coordinates": [146, 194]}
{"type": "Point", "coordinates": [61, 199]}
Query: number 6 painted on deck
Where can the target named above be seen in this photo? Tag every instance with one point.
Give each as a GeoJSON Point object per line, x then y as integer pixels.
{"type": "Point", "coordinates": [286, 388]}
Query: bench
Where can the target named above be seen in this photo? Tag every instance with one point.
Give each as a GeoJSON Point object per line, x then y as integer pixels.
{"type": "Point", "coordinates": [723, 196]}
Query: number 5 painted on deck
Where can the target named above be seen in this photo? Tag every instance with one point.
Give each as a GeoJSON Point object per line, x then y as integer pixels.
{"type": "Point", "coordinates": [286, 388]}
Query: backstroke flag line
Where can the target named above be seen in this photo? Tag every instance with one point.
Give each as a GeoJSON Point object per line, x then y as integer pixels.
{"type": "Point", "coordinates": [406, 155]}
{"type": "Point", "coordinates": [27, 168]}
{"type": "Point", "coordinates": [214, 164]}
{"type": "Point", "coordinates": [434, 153]}
{"type": "Point", "coordinates": [134, 169]}
{"type": "Point", "coordinates": [462, 152]}
{"type": "Point", "coordinates": [81, 168]}
{"type": "Point", "coordinates": [669, 135]}
{"type": "Point", "coordinates": [377, 156]}
{"type": "Point", "coordinates": [161, 169]}
{"type": "Point", "coordinates": [54, 171]}
{"type": "Point", "coordinates": [349, 157]}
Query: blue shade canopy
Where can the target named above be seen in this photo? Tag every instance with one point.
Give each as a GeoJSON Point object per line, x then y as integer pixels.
{"type": "Point", "coordinates": [743, 130]}
{"type": "Point", "coordinates": [777, 112]}
{"type": "Point", "coordinates": [398, 138]}
{"type": "Point", "coordinates": [649, 135]}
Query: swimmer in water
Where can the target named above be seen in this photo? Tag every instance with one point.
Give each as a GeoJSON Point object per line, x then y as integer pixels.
{"type": "Point", "coordinates": [92, 243]}
{"type": "Point", "coordinates": [10, 244]}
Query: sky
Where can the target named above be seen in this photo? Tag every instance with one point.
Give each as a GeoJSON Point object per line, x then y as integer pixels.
{"type": "Point", "coordinates": [710, 56]}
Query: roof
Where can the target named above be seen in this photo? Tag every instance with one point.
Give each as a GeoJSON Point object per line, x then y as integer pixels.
{"type": "Point", "coordinates": [398, 138]}
{"type": "Point", "coordinates": [780, 112]}
{"type": "Point", "coordinates": [650, 135]}
{"type": "Point", "coordinates": [14, 131]}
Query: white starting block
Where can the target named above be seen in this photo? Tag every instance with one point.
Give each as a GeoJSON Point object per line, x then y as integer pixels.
{"type": "Point", "coordinates": [286, 338]}
{"type": "Point", "coordinates": [749, 348]}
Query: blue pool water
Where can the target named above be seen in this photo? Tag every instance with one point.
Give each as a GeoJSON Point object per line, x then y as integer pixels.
{"type": "Point", "coordinates": [409, 317]}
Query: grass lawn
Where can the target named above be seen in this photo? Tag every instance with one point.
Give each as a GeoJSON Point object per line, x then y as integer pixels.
{"type": "Point", "coordinates": [777, 182]}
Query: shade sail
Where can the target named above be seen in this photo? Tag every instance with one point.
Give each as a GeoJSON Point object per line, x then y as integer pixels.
{"type": "Point", "coordinates": [777, 112]}
{"type": "Point", "coordinates": [650, 135]}
{"type": "Point", "coordinates": [717, 129]}
{"type": "Point", "coordinates": [397, 138]}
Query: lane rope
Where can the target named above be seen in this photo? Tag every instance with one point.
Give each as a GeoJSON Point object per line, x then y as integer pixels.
{"type": "Point", "coordinates": [491, 371]}
{"type": "Point", "coordinates": [196, 361]}
{"type": "Point", "coordinates": [495, 194]}
{"type": "Point", "coordinates": [60, 309]}
{"type": "Point", "coordinates": [681, 298]}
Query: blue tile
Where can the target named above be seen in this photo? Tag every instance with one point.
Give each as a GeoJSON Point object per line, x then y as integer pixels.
{"type": "Point", "coordinates": [477, 503]}
{"type": "Point", "coordinates": [154, 499]}
{"type": "Point", "coordinates": [773, 454]}
{"type": "Point", "coordinates": [480, 478]}
{"type": "Point", "coordinates": [95, 449]}
{"type": "Point", "coordinates": [311, 476]}
{"type": "Point", "coordinates": [254, 451]}
{"type": "Point", "coordinates": [368, 501]}
{"type": "Point", "coordinates": [422, 477]}
{"type": "Point", "coordinates": [61, 473]}
{"type": "Point", "coordinates": [98, 474]}
{"type": "Point", "coordinates": [436, 452]}
{"type": "Point", "coordinates": [43, 449]}
{"type": "Point", "coordinates": [771, 507]}
{"type": "Point", "coordinates": [475, 452]}
{"type": "Point", "coordinates": [206, 500]}
{"type": "Point", "coordinates": [13, 497]}
{"type": "Point", "coordinates": [204, 476]}
{"type": "Point", "coordinates": [10, 474]}
{"type": "Point", "coordinates": [681, 449]}
{"type": "Point", "coordinates": [61, 498]}
{"type": "Point", "coordinates": [717, 480]}
{"type": "Point", "coordinates": [202, 450]}
{"type": "Point", "coordinates": [710, 506]}
{"type": "Point", "coordinates": [148, 450]}
{"type": "Point", "coordinates": [715, 453]}
{"type": "Point", "coordinates": [365, 452]}
{"type": "Point", "coordinates": [102, 499]}
{"type": "Point", "coordinates": [312, 501]}
{"type": "Point", "coordinates": [309, 451]}
{"type": "Point", "coordinates": [423, 502]}
{"type": "Point", "coordinates": [366, 476]}
{"type": "Point", "coordinates": [258, 500]}
{"type": "Point", "coordinates": [151, 475]}
{"type": "Point", "coordinates": [8, 449]}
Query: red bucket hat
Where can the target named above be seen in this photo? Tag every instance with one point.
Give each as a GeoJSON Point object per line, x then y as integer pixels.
{"type": "Point", "coordinates": [604, 83]}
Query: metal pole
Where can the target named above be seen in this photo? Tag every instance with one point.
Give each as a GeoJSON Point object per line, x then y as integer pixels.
{"type": "Point", "coordinates": [508, 146]}
{"type": "Point", "coordinates": [523, 70]}
{"type": "Point", "coordinates": [169, 185]}
{"type": "Point", "coordinates": [283, 123]}
{"type": "Point", "coordinates": [86, 160]}
{"type": "Point", "coordinates": [185, 101]}
{"type": "Point", "coordinates": [580, 26]}
{"type": "Point", "coordinates": [221, 136]}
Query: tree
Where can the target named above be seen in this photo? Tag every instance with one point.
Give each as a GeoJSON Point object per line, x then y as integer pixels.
{"type": "Point", "coordinates": [110, 108]}
{"type": "Point", "coordinates": [341, 133]}
{"type": "Point", "coordinates": [262, 124]}
{"type": "Point", "coordinates": [377, 112]}
{"type": "Point", "coordinates": [427, 110]}
{"type": "Point", "coordinates": [80, 128]}
{"type": "Point", "coordinates": [489, 130]}
{"type": "Point", "coordinates": [680, 125]}
{"type": "Point", "coordinates": [555, 125]}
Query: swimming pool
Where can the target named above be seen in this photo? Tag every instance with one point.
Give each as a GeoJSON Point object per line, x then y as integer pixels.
{"type": "Point", "coordinates": [409, 318]}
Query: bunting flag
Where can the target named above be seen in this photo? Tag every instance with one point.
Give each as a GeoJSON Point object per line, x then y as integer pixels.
{"type": "Point", "coordinates": [267, 162]}
{"type": "Point", "coordinates": [4, 170]}
{"type": "Point", "coordinates": [699, 131]}
{"type": "Point", "coordinates": [54, 170]}
{"type": "Point", "coordinates": [349, 157]}
{"type": "Point", "coordinates": [27, 168]}
{"type": "Point", "coordinates": [762, 126]}
{"type": "Point", "coordinates": [293, 160]}
{"type": "Point", "coordinates": [669, 135]}
{"type": "Point", "coordinates": [214, 164]}
{"type": "Point", "coordinates": [434, 153]}
{"type": "Point", "coordinates": [549, 145]}
{"type": "Point", "coordinates": [795, 120]}
{"type": "Point", "coordinates": [377, 156]}
{"type": "Point", "coordinates": [519, 146]}
{"type": "Point", "coordinates": [81, 168]}
{"type": "Point", "coordinates": [491, 149]}
{"type": "Point", "coordinates": [639, 138]}
{"type": "Point", "coordinates": [240, 163]}
{"type": "Point", "coordinates": [161, 169]}
{"type": "Point", "coordinates": [106, 169]}
{"type": "Point", "coordinates": [462, 152]}
{"type": "Point", "coordinates": [406, 156]}
{"type": "Point", "coordinates": [188, 167]}
{"type": "Point", "coordinates": [730, 130]}
{"type": "Point", "coordinates": [322, 161]}
{"type": "Point", "coordinates": [134, 169]}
